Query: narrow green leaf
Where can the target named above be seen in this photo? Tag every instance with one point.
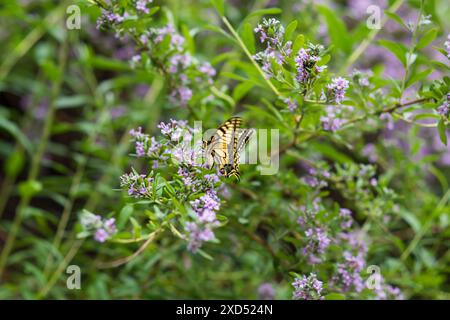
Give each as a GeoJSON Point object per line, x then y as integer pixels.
{"type": "Point", "coordinates": [218, 4]}
{"type": "Point", "coordinates": [241, 90]}
{"type": "Point", "coordinates": [334, 296]}
{"type": "Point", "coordinates": [396, 18]}
{"type": "Point", "coordinates": [298, 43]}
{"type": "Point", "coordinates": [441, 130]}
{"type": "Point", "coordinates": [396, 48]}
{"type": "Point", "coordinates": [248, 38]}
{"type": "Point", "coordinates": [290, 30]}
{"type": "Point", "coordinates": [340, 37]}
{"type": "Point", "coordinates": [418, 76]}
{"type": "Point", "coordinates": [427, 38]}
{"type": "Point", "coordinates": [124, 216]}
{"type": "Point", "coordinates": [14, 130]}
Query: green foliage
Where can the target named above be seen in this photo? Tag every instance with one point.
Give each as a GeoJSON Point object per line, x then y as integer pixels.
{"type": "Point", "coordinates": [69, 99]}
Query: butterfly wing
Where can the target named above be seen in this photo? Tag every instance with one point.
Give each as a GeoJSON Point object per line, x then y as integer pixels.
{"type": "Point", "coordinates": [225, 145]}
{"type": "Point", "coordinates": [219, 149]}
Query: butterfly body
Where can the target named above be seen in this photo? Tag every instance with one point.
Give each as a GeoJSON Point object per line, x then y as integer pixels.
{"type": "Point", "coordinates": [224, 146]}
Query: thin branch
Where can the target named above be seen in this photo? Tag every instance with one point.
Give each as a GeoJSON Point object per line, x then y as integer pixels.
{"type": "Point", "coordinates": [119, 262]}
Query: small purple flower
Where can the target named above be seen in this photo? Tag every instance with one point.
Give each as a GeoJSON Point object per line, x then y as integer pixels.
{"type": "Point", "coordinates": [330, 123]}
{"type": "Point", "coordinates": [197, 236]}
{"type": "Point", "coordinates": [207, 69]}
{"type": "Point", "coordinates": [140, 150]}
{"type": "Point", "coordinates": [141, 6]}
{"type": "Point", "coordinates": [369, 151]}
{"type": "Point", "coordinates": [108, 17]}
{"type": "Point", "coordinates": [390, 120]}
{"type": "Point", "coordinates": [110, 226]}
{"type": "Point", "coordinates": [336, 89]}
{"type": "Point", "coordinates": [165, 128]}
{"type": "Point", "coordinates": [444, 109]}
{"type": "Point", "coordinates": [291, 104]}
{"type": "Point", "coordinates": [185, 95]}
{"type": "Point", "coordinates": [266, 291]}
{"type": "Point", "coordinates": [307, 288]}
{"type": "Point", "coordinates": [101, 235]}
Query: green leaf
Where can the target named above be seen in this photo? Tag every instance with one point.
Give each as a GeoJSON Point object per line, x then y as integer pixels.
{"type": "Point", "coordinates": [298, 43]}
{"type": "Point", "coordinates": [65, 102]}
{"type": "Point", "coordinates": [290, 30]}
{"type": "Point", "coordinates": [15, 162]}
{"type": "Point", "coordinates": [223, 96]}
{"type": "Point", "coordinates": [340, 37]}
{"type": "Point", "coordinates": [241, 90]}
{"type": "Point", "coordinates": [29, 188]}
{"type": "Point", "coordinates": [330, 152]}
{"type": "Point", "coordinates": [396, 48]}
{"type": "Point", "coordinates": [411, 219]}
{"type": "Point", "coordinates": [136, 228]}
{"type": "Point", "coordinates": [247, 37]}
{"type": "Point", "coordinates": [189, 40]}
{"type": "Point", "coordinates": [124, 215]}
{"type": "Point", "coordinates": [205, 255]}
{"type": "Point", "coordinates": [418, 76]}
{"type": "Point", "coordinates": [218, 4]}
{"type": "Point", "coordinates": [427, 38]}
{"type": "Point", "coordinates": [441, 130]}
{"type": "Point", "coordinates": [334, 296]}
{"type": "Point", "coordinates": [262, 12]}
{"type": "Point", "coordinates": [396, 18]}
{"type": "Point", "coordinates": [14, 130]}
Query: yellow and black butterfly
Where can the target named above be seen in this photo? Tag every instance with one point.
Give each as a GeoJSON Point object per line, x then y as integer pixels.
{"type": "Point", "coordinates": [224, 146]}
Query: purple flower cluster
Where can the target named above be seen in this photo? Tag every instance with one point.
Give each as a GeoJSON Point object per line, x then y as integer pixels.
{"type": "Point", "coordinates": [109, 18]}
{"type": "Point", "coordinates": [266, 291]}
{"type": "Point", "coordinates": [317, 240]}
{"type": "Point", "coordinates": [346, 216]}
{"type": "Point", "coordinates": [271, 33]}
{"type": "Point", "coordinates": [334, 117]}
{"type": "Point", "coordinates": [444, 109]}
{"type": "Point", "coordinates": [138, 185]}
{"type": "Point", "coordinates": [179, 64]}
{"type": "Point", "coordinates": [348, 274]}
{"type": "Point", "coordinates": [291, 104]}
{"type": "Point", "coordinates": [370, 152]}
{"type": "Point", "coordinates": [200, 230]}
{"type": "Point", "coordinates": [361, 77]}
{"type": "Point", "coordinates": [385, 291]}
{"type": "Point", "coordinates": [306, 63]}
{"type": "Point", "coordinates": [307, 288]}
{"type": "Point", "coordinates": [145, 146]}
{"type": "Point", "coordinates": [175, 148]}
{"type": "Point", "coordinates": [336, 90]}
{"type": "Point", "coordinates": [316, 178]}
{"type": "Point", "coordinates": [103, 229]}
{"type": "Point", "coordinates": [142, 6]}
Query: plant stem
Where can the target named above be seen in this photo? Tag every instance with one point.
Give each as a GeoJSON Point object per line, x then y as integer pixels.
{"type": "Point", "coordinates": [36, 159]}
{"type": "Point", "coordinates": [249, 55]}
{"type": "Point", "coordinates": [426, 226]}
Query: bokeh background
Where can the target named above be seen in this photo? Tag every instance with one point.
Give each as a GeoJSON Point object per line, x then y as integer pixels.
{"type": "Point", "coordinates": [68, 99]}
